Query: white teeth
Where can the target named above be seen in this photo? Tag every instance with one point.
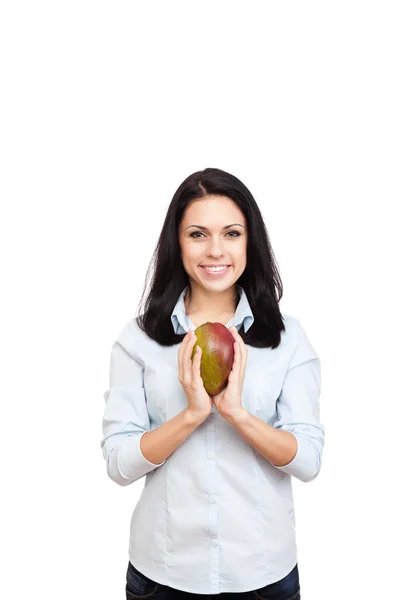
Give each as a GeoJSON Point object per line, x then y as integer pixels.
{"type": "Point", "coordinates": [215, 268]}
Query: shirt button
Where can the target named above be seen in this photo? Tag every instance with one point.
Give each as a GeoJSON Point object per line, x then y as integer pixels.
{"type": "Point", "coordinates": [210, 454]}
{"type": "Point", "coordinates": [212, 500]}
{"type": "Point", "coordinates": [214, 542]}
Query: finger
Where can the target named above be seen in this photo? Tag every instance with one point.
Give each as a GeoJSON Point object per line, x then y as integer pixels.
{"type": "Point", "coordinates": [236, 349]}
{"type": "Point", "coordinates": [232, 331]}
{"type": "Point", "coordinates": [234, 374]}
{"type": "Point", "coordinates": [181, 352]}
{"type": "Point", "coordinates": [196, 363]}
{"type": "Point", "coordinates": [188, 362]}
{"type": "Point", "coordinates": [244, 359]}
{"type": "Point", "coordinates": [240, 351]}
{"type": "Point", "coordinates": [236, 343]}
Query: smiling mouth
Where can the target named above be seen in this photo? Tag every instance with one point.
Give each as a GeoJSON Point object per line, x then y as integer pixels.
{"type": "Point", "coordinates": [215, 272]}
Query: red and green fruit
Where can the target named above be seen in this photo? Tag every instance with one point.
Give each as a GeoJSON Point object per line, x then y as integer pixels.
{"type": "Point", "coordinates": [216, 343]}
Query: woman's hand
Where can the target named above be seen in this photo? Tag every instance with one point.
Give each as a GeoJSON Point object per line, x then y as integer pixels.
{"type": "Point", "coordinates": [199, 402]}
{"type": "Point", "coordinates": [229, 401]}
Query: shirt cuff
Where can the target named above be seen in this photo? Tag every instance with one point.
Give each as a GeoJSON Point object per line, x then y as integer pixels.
{"type": "Point", "coordinates": [131, 463]}
{"type": "Point", "coordinates": [305, 464]}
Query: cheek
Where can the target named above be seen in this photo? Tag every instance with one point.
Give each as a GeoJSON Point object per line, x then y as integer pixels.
{"type": "Point", "coordinates": [240, 252]}
{"type": "Point", "coordinates": [192, 254]}
{"type": "Point", "coordinates": [186, 250]}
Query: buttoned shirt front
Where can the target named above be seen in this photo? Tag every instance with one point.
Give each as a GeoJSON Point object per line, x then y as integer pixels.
{"type": "Point", "coordinates": [215, 516]}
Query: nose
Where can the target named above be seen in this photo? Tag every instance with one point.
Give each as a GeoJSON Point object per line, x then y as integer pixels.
{"type": "Point", "coordinates": [216, 247]}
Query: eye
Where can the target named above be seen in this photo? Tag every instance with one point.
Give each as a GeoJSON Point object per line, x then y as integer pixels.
{"type": "Point", "coordinates": [200, 232]}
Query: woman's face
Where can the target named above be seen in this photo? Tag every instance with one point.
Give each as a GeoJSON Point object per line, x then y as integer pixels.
{"type": "Point", "coordinates": [216, 244]}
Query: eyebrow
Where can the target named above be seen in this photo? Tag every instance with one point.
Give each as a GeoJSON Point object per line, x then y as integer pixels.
{"type": "Point", "coordinates": [205, 228]}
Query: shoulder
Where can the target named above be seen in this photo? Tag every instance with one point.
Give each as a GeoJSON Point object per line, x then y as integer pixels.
{"type": "Point", "coordinates": [129, 336]}
{"type": "Point", "coordinates": [292, 326]}
{"type": "Point", "coordinates": [297, 340]}
{"type": "Point", "coordinates": [135, 341]}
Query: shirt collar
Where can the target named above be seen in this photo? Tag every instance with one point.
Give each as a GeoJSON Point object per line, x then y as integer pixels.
{"type": "Point", "coordinates": [243, 314]}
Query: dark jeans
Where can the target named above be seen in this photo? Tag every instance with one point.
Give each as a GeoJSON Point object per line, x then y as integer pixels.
{"type": "Point", "coordinates": [140, 586]}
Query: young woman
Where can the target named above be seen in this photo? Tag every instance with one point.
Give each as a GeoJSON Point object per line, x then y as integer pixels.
{"type": "Point", "coordinates": [216, 515]}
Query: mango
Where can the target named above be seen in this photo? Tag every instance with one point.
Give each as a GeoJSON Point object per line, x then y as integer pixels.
{"type": "Point", "coordinates": [216, 343]}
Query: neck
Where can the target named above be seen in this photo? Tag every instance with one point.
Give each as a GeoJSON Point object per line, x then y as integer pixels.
{"type": "Point", "coordinates": [198, 300]}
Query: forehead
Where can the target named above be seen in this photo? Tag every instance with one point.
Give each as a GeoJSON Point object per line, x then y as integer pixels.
{"type": "Point", "coordinates": [212, 210]}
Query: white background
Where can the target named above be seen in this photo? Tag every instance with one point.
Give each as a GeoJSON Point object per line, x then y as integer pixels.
{"type": "Point", "coordinates": [105, 108]}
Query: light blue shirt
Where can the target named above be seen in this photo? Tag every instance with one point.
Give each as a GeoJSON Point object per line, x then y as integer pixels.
{"type": "Point", "coordinates": [215, 516]}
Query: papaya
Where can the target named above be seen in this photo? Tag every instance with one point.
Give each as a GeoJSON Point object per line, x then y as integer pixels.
{"type": "Point", "coordinates": [217, 345]}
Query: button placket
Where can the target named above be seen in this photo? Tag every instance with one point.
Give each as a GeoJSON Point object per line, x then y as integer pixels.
{"type": "Point", "coordinates": [212, 529]}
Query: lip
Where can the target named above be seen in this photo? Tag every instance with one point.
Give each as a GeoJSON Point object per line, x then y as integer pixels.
{"type": "Point", "coordinates": [215, 273]}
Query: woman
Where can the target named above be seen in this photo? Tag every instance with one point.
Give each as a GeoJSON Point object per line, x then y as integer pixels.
{"type": "Point", "coordinates": [216, 515]}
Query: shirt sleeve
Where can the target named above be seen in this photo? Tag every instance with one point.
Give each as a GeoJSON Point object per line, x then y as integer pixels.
{"type": "Point", "coordinates": [298, 409]}
{"type": "Point", "coordinates": [126, 418]}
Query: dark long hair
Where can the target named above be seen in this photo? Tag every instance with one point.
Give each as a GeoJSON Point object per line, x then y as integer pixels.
{"type": "Point", "coordinates": [260, 279]}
